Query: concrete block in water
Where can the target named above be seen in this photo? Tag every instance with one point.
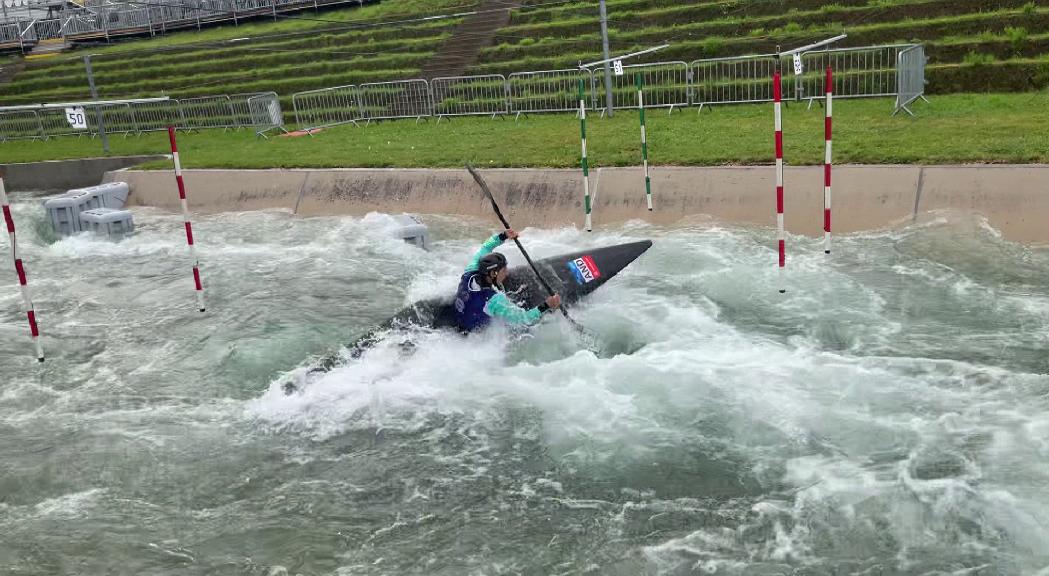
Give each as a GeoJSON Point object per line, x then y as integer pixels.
{"type": "Point", "coordinates": [64, 211]}
{"type": "Point", "coordinates": [413, 231]}
{"type": "Point", "coordinates": [113, 223]}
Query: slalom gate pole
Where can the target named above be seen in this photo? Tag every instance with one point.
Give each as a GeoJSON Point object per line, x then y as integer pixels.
{"type": "Point", "coordinates": [185, 217]}
{"type": "Point", "coordinates": [644, 136]}
{"type": "Point", "coordinates": [777, 91]}
{"type": "Point", "coordinates": [827, 162]}
{"type": "Point", "coordinates": [23, 282]}
{"type": "Point", "coordinates": [586, 168]}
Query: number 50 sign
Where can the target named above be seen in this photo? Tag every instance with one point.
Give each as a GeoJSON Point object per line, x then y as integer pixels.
{"type": "Point", "coordinates": [76, 118]}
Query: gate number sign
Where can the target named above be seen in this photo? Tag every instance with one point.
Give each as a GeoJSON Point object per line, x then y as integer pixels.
{"type": "Point", "coordinates": [618, 65]}
{"type": "Point", "coordinates": [799, 68]}
{"type": "Point", "coordinates": [76, 118]}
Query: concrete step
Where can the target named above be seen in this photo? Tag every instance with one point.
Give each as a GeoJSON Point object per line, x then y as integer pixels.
{"type": "Point", "coordinates": [47, 49]}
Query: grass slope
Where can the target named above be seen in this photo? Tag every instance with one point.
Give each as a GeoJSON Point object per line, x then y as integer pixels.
{"type": "Point", "coordinates": [967, 42]}
{"type": "Point", "coordinates": [960, 128]}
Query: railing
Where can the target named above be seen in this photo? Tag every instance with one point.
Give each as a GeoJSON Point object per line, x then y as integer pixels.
{"type": "Point", "coordinates": [398, 99]}
{"type": "Point", "coordinates": [893, 70]}
{"type": "Point", "coordinates": [9, 33]}
{"type": "Point", "coordinates": [265, 113]}
{"type": "Point", "coordinates": [732, 80]}
{"type": "Point", "coordinates": [667, 85]}
{"type": "Point", "coordinates": [469, 95]}
{"type": "Point", "coordinates": [326, 107]}
{"type": "Point", "coordinates": [97, 19]}
{"type": "Point", "coordinates": [910, 71]}
{"type": "Point", "coordinates": [20, 125]}
{"type": "Point", "coordinates": [258, 110]}
{"type": "Point", "coordinates": [546, 91]}
{"type": "Point", "coordinates": [858, 72]}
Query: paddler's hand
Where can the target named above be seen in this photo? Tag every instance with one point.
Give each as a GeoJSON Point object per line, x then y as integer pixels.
{"type": "Point", "coordinates": [553, 302]}
{"type": "Point", "coordinates": [510, 234]}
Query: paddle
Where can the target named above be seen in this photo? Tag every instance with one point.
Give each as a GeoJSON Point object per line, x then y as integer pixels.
{"type": "Point", "coordinates": [495, 206]}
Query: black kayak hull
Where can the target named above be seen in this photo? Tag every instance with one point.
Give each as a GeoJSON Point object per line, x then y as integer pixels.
{"type": "Point", "coordinates": [572, 276]}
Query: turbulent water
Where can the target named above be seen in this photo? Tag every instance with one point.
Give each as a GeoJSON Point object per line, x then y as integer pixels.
{"type": "Point", "coordinates": [888, 415]}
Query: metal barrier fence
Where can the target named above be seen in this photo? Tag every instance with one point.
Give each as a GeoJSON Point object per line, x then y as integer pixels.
{"type": "Point", "coordinates": [398, 99]}
{"type": "Point", "coordinates": [207, 112]}
{"type": "Point", "coordinates": [156, 116]}
{"type": "Point", "coordinates": [732, 80]}
{"type": "Point", "coordinates": [54, 123]}
{"type": "Point", "coordinates": [546, 91]}
{"type": "Point", "coordinates": [910, 70]}
{"type": "Point", "coordinates": [118, 119]}
{"type": "Point", "coordinates": [469, 95]}
{"type": "Point", "coordinates": [858, 72]}
{"type": "Point", "coordinates": [20, 125]}
{"type": "Point", "coordinates": [265, 113]}
{"type": "Point", "coordinates": [892, 70]}
{"type": "Point", "coordinates": [326, 107]}
{"type": "Point", "coordinates": [227, 112]}
{"type": "Point", "coordinates": [667, 85]}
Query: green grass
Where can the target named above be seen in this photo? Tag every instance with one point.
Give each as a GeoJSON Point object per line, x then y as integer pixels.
{"type": "Point", "coordinates": [1011, 128]}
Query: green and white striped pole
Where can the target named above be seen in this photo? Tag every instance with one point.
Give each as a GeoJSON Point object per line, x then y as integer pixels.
{"type": "Point", "coordinates": [644, 136]}
{"type": "Point", "coordinates": [586, 169]}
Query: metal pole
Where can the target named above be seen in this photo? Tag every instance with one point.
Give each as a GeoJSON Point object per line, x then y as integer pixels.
{"type": "Point", "coordinates": [608, 65]}
{"type": "Point", "coordinates": [23, 282]}
{"type": "Point", "coordinates": [584, 163]}
{"type": "Point", "coordinates": [98, 110]}
{"type": "Point", "coordinates": [198, 285]}
{"type": "Point", "coordinates": [777, 91]}
{"type": "Point", "coordinates": [639, 80]}
{"type": "Point", "coordinates": [827, 131]}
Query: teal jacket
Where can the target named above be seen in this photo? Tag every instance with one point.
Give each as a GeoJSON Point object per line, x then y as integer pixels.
{"type": "Point", "coordinates": [498, 304]}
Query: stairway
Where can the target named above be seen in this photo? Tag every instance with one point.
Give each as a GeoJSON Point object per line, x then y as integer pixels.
{"type": "Point", "coordinates": [458, 53]}
{"type": "Point", "coordinates": [47, 48]}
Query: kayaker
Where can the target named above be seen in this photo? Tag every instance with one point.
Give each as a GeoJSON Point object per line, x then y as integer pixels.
{"type": "Point", "coordinates": [481, 297]}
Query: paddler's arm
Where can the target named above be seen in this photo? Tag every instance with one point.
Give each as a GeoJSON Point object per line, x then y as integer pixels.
{"type": "Point", "coordinates": [499, 306]}
{"type": "Point", "coordinates": [490, 244]}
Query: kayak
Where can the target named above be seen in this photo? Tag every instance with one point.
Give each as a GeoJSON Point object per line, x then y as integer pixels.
{"type": "Point", "coordinates": [572, 276]}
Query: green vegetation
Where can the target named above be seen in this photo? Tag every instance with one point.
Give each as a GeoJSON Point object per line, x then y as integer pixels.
{"type": "Point", "coordinates": [973, 45]}
{"type": "Point", "coordinates": [955, 128]}
{"type": "Point", "coordinates": [287, 56]}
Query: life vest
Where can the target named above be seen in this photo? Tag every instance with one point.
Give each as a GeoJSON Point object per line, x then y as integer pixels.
{"type": "Point", "coordinates": [470, 300]}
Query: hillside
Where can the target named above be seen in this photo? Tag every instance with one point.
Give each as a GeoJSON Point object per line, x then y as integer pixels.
{"type": "Point", "coordinates": [973, 45]}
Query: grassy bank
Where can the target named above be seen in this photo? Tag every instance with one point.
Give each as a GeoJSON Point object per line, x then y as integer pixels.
{"type": "Point", "coordinates": [1007, 128]}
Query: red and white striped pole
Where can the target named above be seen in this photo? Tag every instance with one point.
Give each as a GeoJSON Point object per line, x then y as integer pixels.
{"type": "Point", "coordinates": [185, 217]}
{"type": "Point", "coordinates": [827, 163]}
{"type": "Point", "coordinates": [777, 92]}
{"type": "Point", "coordinates": [20, 270]}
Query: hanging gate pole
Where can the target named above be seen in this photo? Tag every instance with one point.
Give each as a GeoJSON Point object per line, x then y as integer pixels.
{"type": "Point", "coordinates": [777, 91]}
{"type": "Point", "coordinates": [586, 168]}
{"type": "Point", "coordinates": [827, 162]}
{"type": "Point", "coordinates": [23, 281]}
{"type": "Point", "coordinates": [644, 136]}
{"type": "Point", "coordinates": [185, 217]}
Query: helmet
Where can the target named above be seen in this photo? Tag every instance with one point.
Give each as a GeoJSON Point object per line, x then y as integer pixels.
{"type": "Point", "coordinates": [491, 263]}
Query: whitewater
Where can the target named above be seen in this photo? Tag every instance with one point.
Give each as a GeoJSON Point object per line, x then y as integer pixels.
{"type": "Point", "coordinates": [889, 414]}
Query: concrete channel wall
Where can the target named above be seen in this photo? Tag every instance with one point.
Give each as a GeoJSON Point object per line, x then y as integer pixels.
{"type": "Point", "coordinates": [62, 175]}
{"type": "Point", "coordinates": [1015, 199]}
